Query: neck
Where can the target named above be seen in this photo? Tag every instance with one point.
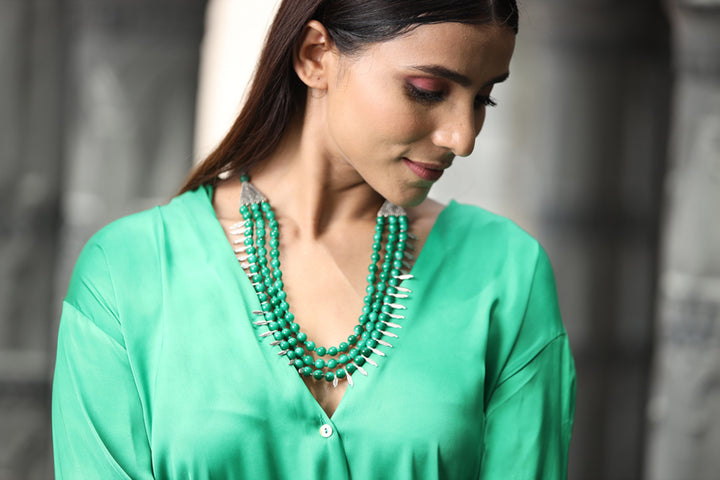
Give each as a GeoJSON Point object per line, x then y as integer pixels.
{"type": "Point", "coordinates": [314, 190]}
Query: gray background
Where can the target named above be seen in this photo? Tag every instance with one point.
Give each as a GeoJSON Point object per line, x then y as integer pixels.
{"type": "Point", "coordinates": [606, 147]}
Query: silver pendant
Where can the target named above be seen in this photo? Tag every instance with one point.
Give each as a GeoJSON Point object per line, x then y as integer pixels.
{"type": "Point", "coordinates": [403, 289]}
{"type": "Point", "coordinates": [395, 315]}
{"type": "Point", "coordinates": [258, 312]}
{"type": "Point", "coordinates": [398, 295]}
{"type": "Point", "coordinates": [349, 379]}
{"type": "Point", "coordinates": [390, 209]}
{"type": "Point", "coordinates": [389, 334]}
{"type": "Point", "coordinates": [370, 361]}
{"type": "Point", "coordinates": [396, 306]}
{"type": "Point", "coordinates": [335, 382]}
{"type": "Point", "coordinates": [250, 195]}
{"type": "Point", "coordinates": [376, 351]}
{"type": "Point", "coordinates": [360, 369]}
{"type": "Point", "coordinates": [383, 342]}
{"type": "Point", "coordinates": [266, 334]}
{"type": "Point", "coordinates": [261, 323]}
{"type": "Point", "coordinates": [405, 276]}
{"type": "Point", "coordinates": [391, 325]}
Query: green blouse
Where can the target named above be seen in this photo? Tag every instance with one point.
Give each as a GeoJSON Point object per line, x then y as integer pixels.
{"type": "Point", "coordinates": [161, 374]}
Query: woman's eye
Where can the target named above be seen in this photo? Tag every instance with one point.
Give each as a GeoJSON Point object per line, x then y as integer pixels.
{"type": "Point", "coordinates": [485, 101]}
{"type": "Point", "coordinates": [425, 97]}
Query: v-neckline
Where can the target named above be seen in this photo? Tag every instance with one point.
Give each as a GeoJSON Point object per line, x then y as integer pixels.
{"type": "Point", "coordinates": [236, 270]}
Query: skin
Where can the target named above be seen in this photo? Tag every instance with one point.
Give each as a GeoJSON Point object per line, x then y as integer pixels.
{"type": "Point", "coordinates": [365, 117]}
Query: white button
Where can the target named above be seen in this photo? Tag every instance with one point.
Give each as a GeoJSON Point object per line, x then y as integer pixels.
{"type": "Point", "coordinates": [326, 430]}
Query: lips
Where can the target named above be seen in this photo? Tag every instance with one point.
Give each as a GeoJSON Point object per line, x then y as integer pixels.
{"type": "Point", "coordinates": [427, 171]}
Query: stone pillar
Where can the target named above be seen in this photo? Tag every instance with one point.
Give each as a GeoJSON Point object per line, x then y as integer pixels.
{"type": "Point", "coordinates": [684, 412]}
{"type": "Point", "coordinates": [575, 153]}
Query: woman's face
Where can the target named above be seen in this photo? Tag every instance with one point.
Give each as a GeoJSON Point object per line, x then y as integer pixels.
{"type": "Point", "coordinates": [403, 109]}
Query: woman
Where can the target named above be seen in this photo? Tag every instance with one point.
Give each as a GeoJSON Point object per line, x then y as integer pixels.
{"type": "Point", "coordinates": [302, 309]}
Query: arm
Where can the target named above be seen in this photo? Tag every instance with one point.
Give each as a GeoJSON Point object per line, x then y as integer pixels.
{"type": "Point", "coordinates": [99, 430]}
{"type": "Point", "coordinates": [530, 407]}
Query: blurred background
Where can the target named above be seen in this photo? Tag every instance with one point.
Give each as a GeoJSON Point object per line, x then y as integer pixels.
{"type": "Point", "coordinates": [605, 146]}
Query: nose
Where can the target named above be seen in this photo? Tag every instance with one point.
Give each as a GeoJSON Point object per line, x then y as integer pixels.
{"type": "Point", "coordinates": [457, 131]}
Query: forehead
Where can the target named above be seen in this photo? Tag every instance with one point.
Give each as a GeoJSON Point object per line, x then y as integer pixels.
{"type": "Point", "coordinates": [473, 50]}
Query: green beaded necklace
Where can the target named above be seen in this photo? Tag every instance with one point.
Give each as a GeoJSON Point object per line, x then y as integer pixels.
{"type": "Point", "coordinates": [262, 265]}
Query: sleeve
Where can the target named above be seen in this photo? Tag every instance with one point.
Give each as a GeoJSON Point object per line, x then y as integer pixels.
{"type": "Point", "coordinates": [529, 414]}
{"type": "Point", "coordinates": [97, 417]}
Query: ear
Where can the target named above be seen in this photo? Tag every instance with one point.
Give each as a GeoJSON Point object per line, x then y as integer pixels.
{"type": "Point", "coordinates": [314, 55]}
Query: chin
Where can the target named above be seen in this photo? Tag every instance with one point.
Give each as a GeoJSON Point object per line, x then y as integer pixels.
{"type": "Point", "coordinates": [409, 198]}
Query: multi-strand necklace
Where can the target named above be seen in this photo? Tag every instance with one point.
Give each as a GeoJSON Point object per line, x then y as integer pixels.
{"type": "Point", "coordinates": [257, 251]}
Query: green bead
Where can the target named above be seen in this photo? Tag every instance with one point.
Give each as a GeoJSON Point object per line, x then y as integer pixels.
{"type": "Point", "coordinates": [298, 351]}
{"type": "Point", "coordinates": [340, 373]}
{"type": "Point", "coordinates": [290, 354]}
{"type": "Point", "coordinates": [352, 353]}
{"type": "Point", "coordinates": [298, 364]}
{"type": "Point", "coordinates": [332, 351]}
{"type": "Point", "coordinates": [292, 341]}
{"type": "Point", "coordinates": [319, 363]}
{"type": "Point", "coordinates": [302, 336]}
{"type": "Point", "coordinates": [366, 351]}
{"type": "Point", "coordinates": [318, 374]}
{"type": "Point", "coordinates": [372, 343]}
{"type": "Point", "coordinates": [329, 376]}
{"type": "Point", "coordinates": [310, 345]}
{"type": "Point", "coordinates": [343, 359]}
{"type": "Point", "coordinates": [352, 339]}
{"type": "Point", "coordinates": [343, 347]}
{"type": "Point", "coordinates": [332, 363]}
{"type": "Point", "coordinates": [307, 371]}
{"type": "Point", "coordinates": [308, 360]}
{"type": "Point", "coordinates": [350, 368]}
{"type": "Point", "coordinates": [321, 351]}
{"type": "Point", "coordinates": [293, 326]}
{"type": "Point", "coordinates": [358, 360]}
{"type": "Point", "coordinates": [278, 336]}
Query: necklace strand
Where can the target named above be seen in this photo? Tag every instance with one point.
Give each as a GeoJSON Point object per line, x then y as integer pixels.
{"type": "Point", "coordinates": [259, 257]}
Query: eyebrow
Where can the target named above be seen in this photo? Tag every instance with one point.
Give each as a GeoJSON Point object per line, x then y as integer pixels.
{"type": "Point", "coordinates": [453, 76]}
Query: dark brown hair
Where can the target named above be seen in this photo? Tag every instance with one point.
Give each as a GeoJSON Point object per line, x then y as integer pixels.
{"type": "Point", "coordinates": [276, 93]}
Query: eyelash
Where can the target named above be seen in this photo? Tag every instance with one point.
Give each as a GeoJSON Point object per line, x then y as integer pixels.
{"type": "Point", "coordinates": [428, 97]}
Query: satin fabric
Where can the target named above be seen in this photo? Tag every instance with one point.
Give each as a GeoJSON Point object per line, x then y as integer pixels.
{"type": "Point", "coordinates": [160, 373]}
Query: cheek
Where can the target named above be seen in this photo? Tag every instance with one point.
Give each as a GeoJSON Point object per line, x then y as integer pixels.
{"type": "Point", "coordinates": [375, 113]}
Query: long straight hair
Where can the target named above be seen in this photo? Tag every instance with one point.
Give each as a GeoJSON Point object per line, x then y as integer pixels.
{"type": "Point", "coordinates": [276, 94]}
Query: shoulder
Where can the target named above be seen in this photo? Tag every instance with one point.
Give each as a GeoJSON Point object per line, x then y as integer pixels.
{"type": "Point", "coordinates": [130, 249]}
{"type": "Point", "coordinates": [478, 233]}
